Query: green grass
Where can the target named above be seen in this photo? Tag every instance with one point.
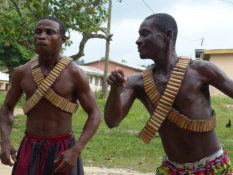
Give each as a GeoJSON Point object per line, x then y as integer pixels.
{"type": "Point", "coordinates": [120, 147]}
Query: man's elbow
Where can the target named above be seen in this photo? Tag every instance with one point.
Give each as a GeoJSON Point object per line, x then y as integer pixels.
{"type": "Point", "coordinates": [98, 121]}
{"type": "Point", "coordinates": [95, 118]}
{"type": "Point", "coordinates": [98, 118]}
{"type": "Point", "coordinates": [110, 123]}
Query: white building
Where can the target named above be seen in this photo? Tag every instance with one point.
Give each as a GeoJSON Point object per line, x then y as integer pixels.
{"type": "Point", "coordinates": [95, 77]}
{"type": "Point", "coordinates": [4, 82]}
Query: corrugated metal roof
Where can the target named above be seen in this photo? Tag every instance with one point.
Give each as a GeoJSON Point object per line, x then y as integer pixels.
{"type": "Point", "coordinates": [91, 70]}
{"type": "Point", "coordinates": [120, 63]}
{"type": "Point", "coordinates": [130, 65]}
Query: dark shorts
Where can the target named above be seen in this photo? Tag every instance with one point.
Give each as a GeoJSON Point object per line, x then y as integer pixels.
{"type": "Point", "coordinates": [36, 155]}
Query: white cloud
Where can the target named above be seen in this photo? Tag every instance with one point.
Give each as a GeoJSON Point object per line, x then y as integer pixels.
{"type": "Point", "coordinates": [212, 22]}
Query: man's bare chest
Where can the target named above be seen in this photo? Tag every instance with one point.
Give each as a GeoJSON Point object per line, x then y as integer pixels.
{"type": "Point", "coordinates": [63, 85]}
{"type": "Point", "coordinates": [160, 82]}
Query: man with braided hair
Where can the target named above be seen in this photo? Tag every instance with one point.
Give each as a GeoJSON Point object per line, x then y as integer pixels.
{"type": "Point", "coordinates": [52, 85]}
{"type": "Point", "coordinates": [175, 91]}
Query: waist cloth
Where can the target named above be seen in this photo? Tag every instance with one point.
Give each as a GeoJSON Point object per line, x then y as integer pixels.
{"type": "Point", "coordinates": [36, 155]}
{"type": "Point", "coordinates": [217, 163]}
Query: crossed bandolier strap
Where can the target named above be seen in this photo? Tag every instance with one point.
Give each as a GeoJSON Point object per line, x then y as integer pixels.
{"type": "Point", "coordinates": [163, 105]}
{"type": "Point", "coordinates": [44, 86]}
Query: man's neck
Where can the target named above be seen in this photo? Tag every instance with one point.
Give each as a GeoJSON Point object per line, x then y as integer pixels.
{"type": "Point", "coordinates": [49, 61]}
{"type": "Point", "coordinates": [166, 63]}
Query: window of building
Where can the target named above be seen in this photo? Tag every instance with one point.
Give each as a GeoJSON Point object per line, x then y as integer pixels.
{"type": "Point", "coordinates": [6, 86]}
{"type": "Point", "coordinates": [96, 81]}
{"type": "Point", "coordinates": [2, 86]}
{"type": "Point", "coordinates": [90, 79]}
{"type": "Point", "coordinates": [101, 81]}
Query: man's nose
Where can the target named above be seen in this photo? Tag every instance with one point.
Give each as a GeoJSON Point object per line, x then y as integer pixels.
{"type": "Point", "coordinates": [42, 35]}
{"type": "Point", "coordinates": [138, 41]}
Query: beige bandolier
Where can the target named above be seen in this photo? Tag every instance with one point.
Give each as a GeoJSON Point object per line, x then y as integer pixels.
{"type": "Point", "coordinates": [163, 104]}
{"type": "Point", "coordinates": [44, 86]}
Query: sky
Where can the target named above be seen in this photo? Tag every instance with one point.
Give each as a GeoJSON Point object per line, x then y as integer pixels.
{"type": "Point", "coordinates": [202, 24]}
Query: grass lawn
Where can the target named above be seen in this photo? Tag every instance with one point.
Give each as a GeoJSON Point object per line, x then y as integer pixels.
{"type": "Point", "coordinates": [120, 147]}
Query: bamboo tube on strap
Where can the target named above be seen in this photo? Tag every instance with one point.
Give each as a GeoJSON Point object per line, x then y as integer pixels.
{"type": "Point", "coordinates": [45, 84]}
{"type": "Point", "coordinates": [159, 115]}
{"type": "Point", "coordinates": [174, 84]}
{"type": "Point", "coordinates": [176, 77]}
{"type": "Point", "coordinates": [145, 139]}
{"type": "Point", "coordinates": [53, 97]}
{"type": "Point", "coordinates": [170, 101]}
{"type": "Point", "coordinates": [166, 94]}
{"type": "Point", "coordinates": [192, 125]}
{"type": "Point", "coordinates": [175, 80]}
{"type": "Point", "coordinates": [164, 104]}
{"type": "Point", "coordinates": [170, 92]}
{"type": "Point", "coordinates": [178, 73]}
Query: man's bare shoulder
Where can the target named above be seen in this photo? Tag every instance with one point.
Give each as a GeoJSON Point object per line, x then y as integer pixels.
{"type": "Point", "coordinates": [198, 64]}
{"type": "Point", "coordinates": [76, 70]}
{"type": "Point", "coordinates": [21, 70]}
{"type": "Point", "coordinates": [135, 78]}
{"type": "Point", "coordinates": [78, 75]}
{"type": "Point", "coordinates": [203, 67]}
{"type": "Point", "coordinates": [135, 81]}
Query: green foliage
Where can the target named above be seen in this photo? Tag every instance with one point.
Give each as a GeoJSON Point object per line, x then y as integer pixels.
{"type": "Point", "coordinates": [14, 30]}
{"type": "Point", "coordinates": [19, 104]}
{"type": "Point", "coordinates": [98, 94]}
{"type": "Point", "coordinates": [18, 18]}
{"type": "Point", "coordinates": [12, 56]}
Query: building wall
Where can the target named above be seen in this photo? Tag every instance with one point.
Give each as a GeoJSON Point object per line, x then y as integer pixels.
{"type": "Point", "coordinates": [95, 82]}
{"type": "Point", "coordinates": [112, 66]}
{"type": "Point", "coordinates": [225, 62]}
{"type": "Point", "coordinates": [4, 86]}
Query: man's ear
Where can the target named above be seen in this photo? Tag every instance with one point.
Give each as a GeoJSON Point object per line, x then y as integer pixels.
{"type": "Point", "coordinates": [64, 38]}
{"type": "Point", "coordinates": [169, 34]}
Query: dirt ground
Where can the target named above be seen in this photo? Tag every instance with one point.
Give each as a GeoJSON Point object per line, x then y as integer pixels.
{"type": "Point", "coordinates": [6, 170]}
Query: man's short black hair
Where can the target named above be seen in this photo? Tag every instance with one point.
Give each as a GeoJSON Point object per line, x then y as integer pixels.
{"type": "Point", "coordinates": [62, 26]}
{"type": "Point", "coordinates": [164, 22]}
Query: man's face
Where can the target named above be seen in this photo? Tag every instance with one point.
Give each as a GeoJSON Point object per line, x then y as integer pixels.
{"type": "Point", "coordinates": [47, 37]}
{"type": "Point", "coordinates": [151, 41]}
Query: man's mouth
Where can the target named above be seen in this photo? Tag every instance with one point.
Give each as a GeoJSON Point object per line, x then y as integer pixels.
{"type": "Point", "coordinates": [41, 44]}
{"type": "Point", "coordinates": [140, 49]}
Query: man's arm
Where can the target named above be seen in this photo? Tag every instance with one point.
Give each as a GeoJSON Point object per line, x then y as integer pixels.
{"type": "Point", "coordinates": [216, 77]}
{"type": "Point", "coordinates": [7, 119]}
{"type": "Point", "coordinates": [120, 99]}
{"type": "Point", "coordinates": [88, 102]}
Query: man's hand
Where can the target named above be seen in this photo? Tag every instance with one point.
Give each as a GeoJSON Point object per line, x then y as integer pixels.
{"type": "Point", "coordinates": [8, 154]}
{"type": "Point", "coordinates": [66, 161]}
{"type": "Point", "coordinates": [117, 78]}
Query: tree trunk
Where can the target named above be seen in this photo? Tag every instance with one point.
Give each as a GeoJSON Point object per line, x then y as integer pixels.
{"type": "Point", "coordinates": [107, 51]}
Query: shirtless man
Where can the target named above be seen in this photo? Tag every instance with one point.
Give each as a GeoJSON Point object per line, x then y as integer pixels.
{"type": "Point", "coordinates": [49, 146]}
{"type": "Point", "coordinates": [189, 140]}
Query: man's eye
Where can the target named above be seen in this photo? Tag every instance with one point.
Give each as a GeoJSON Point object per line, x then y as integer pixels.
{"type": "Point", "coordinates": [49, 32]}
{"type": "Point", "coordinates": [38, 31]}
{"type": "Point", "coordinates": [145, 33]}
